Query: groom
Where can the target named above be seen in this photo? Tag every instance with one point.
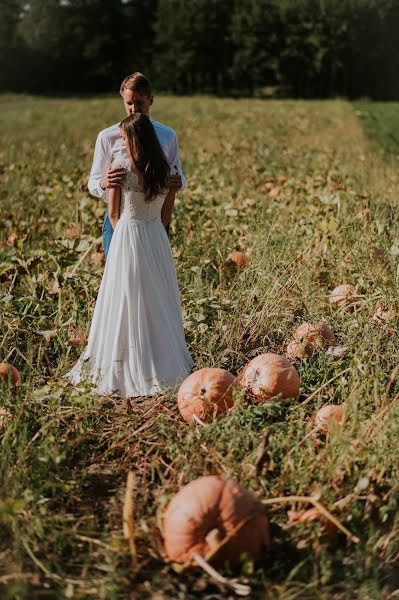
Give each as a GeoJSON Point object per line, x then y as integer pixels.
{"type": "Point", "coordinates": [137, 96]}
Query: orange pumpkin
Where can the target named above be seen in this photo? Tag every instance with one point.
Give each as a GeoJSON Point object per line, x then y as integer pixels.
{"type": "Point", "coordinates": [319, 334]}
{"type": "Point", "coordinates": [206, 393]}
{"type": "Point", "coordinates": [206, 511]}
{"type": "Point", "coordinates": [9, 374]}
{"type": "Point", "coordinates": [270, 375]}
{"type": "Point", "coordinates": [308, 338]}
{"type": "Point", "coordinates": [239, 259]}
{"type": "Point", "coordinates": [343, 294]}
{"type": "Point", "coordinates": [328, 416]}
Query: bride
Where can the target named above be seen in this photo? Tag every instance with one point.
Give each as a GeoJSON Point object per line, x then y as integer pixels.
{"type": "Point", "coordinates": [136, 344]}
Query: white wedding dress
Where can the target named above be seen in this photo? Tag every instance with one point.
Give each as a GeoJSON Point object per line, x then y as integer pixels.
{"type": "Point", "coordinates": [136, 344]}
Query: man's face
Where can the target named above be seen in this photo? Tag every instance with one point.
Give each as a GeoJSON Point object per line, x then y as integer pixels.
{"type": "Point", "coordinates": [136, 103]}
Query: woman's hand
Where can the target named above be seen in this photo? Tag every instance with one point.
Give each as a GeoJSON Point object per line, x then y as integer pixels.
{"type": "Point", "coordinates": [175, 182]}
{"type": "Point", "coordinates": [113, 178]}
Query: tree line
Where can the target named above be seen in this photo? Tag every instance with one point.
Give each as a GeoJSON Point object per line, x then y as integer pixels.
{"type": "Point", "coordinates": [301, 48]}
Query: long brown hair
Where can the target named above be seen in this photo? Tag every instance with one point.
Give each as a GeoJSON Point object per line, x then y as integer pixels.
{"type": "Point", "coordinates": [146, 153]}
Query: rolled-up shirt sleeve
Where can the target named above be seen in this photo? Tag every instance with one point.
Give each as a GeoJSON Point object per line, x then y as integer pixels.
{"type": "Point", "coordinates": [101, 162]}
{"type": "Point", "coordinates": [174, 159]}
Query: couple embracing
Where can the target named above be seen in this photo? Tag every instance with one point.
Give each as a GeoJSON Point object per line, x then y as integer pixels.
{"type": "Point", "coordinates": [136, 344]}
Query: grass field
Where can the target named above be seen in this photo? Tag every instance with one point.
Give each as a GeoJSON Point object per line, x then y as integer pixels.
{"type": "Point", "coordinates": [65, 453]}
{"type": "Point", "coordinates": [381, 121]}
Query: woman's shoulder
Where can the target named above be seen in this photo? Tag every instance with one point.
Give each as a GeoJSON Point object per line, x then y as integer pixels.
{"type": "Point", "coordinates": [120, 157]}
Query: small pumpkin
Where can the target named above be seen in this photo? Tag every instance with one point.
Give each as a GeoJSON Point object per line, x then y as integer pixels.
{"type": "Point", "coordinates": [205, 512]}
{"type": "Point", "coordinates": [206, 393]}
{"type": "Point", "coordinates": [308, 338]}
{"type": "Point", "coordinates": [330, 415]}
{"type": "Point", "coordinates": [343, 294]}
{"type": "Point", "coordinates": [9, 375]}
{"type": "Point", "coordinates": [319, 334]}
{"type": "Point", "coordinates": [269, 375]}
{"type": "Point", "coordinates": [239, 259]}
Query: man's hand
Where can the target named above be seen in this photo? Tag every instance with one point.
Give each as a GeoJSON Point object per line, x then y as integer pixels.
{"type": "Point", "coordinates": [113, 178]}
{"type": "Point", "coordinates": [175, 182]}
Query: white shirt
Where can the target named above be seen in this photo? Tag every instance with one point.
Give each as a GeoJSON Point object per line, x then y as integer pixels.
{"type": "Point", "coordinates": [109, 143]}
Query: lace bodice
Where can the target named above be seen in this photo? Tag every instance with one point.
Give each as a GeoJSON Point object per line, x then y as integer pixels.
{"type": "Point", "coordinates": [134, 206]}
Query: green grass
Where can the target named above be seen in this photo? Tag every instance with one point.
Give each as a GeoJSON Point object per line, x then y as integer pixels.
{"type": "Point", "coordinates": [381, 121]}
{"type": "Point", "coordinates": [65, 453]}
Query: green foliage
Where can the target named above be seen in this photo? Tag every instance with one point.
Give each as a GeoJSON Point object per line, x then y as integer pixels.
{"type": "Point", "coordinates": [65, 453]}
{"type": "Point", "coordinates": [304, 48]}
{"type": "Point", "coordinates": [381, 121]}
{"type": "Point", "coordinates": [192, 50]}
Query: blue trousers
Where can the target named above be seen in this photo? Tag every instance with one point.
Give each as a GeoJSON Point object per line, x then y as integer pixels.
{"type": "Point", "coordinates": [107, 234]}
{"type": "Point", "coordinates": [108, 231]}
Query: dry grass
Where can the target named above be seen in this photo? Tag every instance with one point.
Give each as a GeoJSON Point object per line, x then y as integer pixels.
{"type": "Point", "coordinates": [65, 454]}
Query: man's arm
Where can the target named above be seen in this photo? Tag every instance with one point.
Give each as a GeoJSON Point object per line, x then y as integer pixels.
{"type": "Point", "coordinates": [101, 162]}
{"type": "Point", "coordinates": [174, 161]}
{"type": "Point", "coordinates": [102, 175]}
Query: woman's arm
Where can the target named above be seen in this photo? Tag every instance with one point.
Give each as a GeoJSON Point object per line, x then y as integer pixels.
{"type": "Point", "coordinates": [114, 202]}
{"type": "Point", "coordinates": [167, 207]}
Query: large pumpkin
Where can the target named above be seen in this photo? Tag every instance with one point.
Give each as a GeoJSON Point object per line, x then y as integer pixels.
{"type": "Point", "coordinates": [206, 393]}
{"type": "Point", "coordinates": [206, 511]}
{"type": "Point", "coordinates": [9, 375]}
{"type": "Point", "coordinates": [270, 375]}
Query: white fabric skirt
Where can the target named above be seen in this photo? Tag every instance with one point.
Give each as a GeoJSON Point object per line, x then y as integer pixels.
{"type": "Point", "coordinates": [136, 344]}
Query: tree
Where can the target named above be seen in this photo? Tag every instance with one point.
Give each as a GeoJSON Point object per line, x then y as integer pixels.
{"type": "Point", "coordinates": [192, 48]}
{"type": "Point", "coordinates": [255, 32]}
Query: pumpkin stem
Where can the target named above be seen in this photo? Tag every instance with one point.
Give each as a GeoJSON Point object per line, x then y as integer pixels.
{"type": "Point", "coordinates": [238, 588]}
{"type": "Point", "coordinates": [198, 420]}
